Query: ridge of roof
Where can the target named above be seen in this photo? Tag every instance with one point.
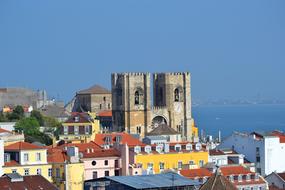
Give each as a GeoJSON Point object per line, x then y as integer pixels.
{"type": "Point", "coordinates": [95, 89]}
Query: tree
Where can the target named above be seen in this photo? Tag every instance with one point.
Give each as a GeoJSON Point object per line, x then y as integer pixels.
{"type": "Point", "coordinates": [29, 126]}
{"type": "Point", "coordinates": [3, 118]}
{"type": "Point", "coordinates": [17, 114]}
{"type": "Point", "coordinates": [31, 129]}
{"type": "Point", "coordinates": [38, 116]}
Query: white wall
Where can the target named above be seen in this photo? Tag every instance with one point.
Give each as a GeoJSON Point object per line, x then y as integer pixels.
{"type": "Point", "coordinates": [272, 152]}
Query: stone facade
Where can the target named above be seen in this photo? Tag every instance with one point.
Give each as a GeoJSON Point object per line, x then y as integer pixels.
{"type": "Point", "coordinates": [136, 113]}
{"type": "Point", "coordinates": [94, 99]}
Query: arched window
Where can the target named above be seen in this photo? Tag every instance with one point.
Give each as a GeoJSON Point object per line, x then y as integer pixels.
{"type": "Point", "coordinates": [178, 94]}
{"type": "Point", "coordinates": [138, 96]}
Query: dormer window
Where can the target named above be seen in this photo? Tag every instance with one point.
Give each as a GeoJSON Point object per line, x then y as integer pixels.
{"type": "Point", "coordinates": [147, 149]}
{"type": "Point", "coordinates": [76, 118]}
{"type": "Point", "coordinates": [189, 146]}
{"type": "Point", "coordinates": [248, 177]}
{"type": "Point", "coordinates": [137, 149]}
{"type": "Point", "coordinates": [239, 178]}
{"type": "Point", "coordinates": [198, 146]}
{"type": "Point", "coordinates": [158, 148]}
{"type": "Point", "coordinates": [177, 147]}
{"type": "Point", "coordinates": [108, 139]}
{"type": "Point", "coordinates": [7, 157]}
{"type": "Point", "coordinates": [118, 139]}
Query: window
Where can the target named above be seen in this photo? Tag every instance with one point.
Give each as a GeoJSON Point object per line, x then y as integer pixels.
{"type": "Point", "coordinates": [178, 94]}
{"type": "Point", "coordinates": [100, 106]}
{"type": "Point", "coordinates": [95, 175]}
{"type": "Point", "coordinates": [239, 178]}
{"type": "Point", "coordinates": [94, 163]}
{"type": "Point", "coordinates": [138, 130]}
{"type": "Point", "coordinates": [118, 139]}
{"type": "Point", "coordinates": [161, 166]}
{"type": "Point", "coordinates": [109, 107]}
{"type": "Point", "coordinates": [76, 130]}
{"type": "Point", "coordinates": [106, 162]}
{"type": "Point", "coordinates": [191, 162]}
{"type": "Point", "coordinates": [87, 129]}
{"type": "Point", "coordinates": [26, 157]}
{"type": "Point", "coordinates": [257, 158]}
{"type": "Point", "coordinates": [57, 173]}
{"type": "Point", "coordinates": [104, 99]}
{"type": "Point", "coordinates": [107, 173]}
{"type": "Point", "coordinates": [149, 165]}
{"type": "Point", "coordinates": [65, 130]}
{"type": "Point", "coordinates": [7, 157]}
{"type": "Point", "coordinates": [49, 172]}
{"type": "Point", "coordinates": [26, 171]}
{"type": "Point", "coordinates": [201, 163]}
{"type": "Point", "coordinates": [179, 165]}
{"type": "Point", "coordinates": [14, 171]}
{"type": "Point", "coordinates": [139, 96]}
{"type": "Point", "coordinates": [39, 171]}
{"type": "Point", "coordinates": [38, 156]}
{"type": "Point", "coordinates": [257, 151]}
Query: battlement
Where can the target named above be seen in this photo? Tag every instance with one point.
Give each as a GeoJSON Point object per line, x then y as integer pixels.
{"type": "Point", "coordinates": [130, 74]}
{"type": "Point", "coordinates": [173, 73]}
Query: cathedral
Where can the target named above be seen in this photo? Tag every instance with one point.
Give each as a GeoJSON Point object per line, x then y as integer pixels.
{"type": "Point", "coordinates": [141, 103]}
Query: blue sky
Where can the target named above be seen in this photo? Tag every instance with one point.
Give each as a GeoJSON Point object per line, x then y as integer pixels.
{"type": "Point", "coordinates": [233, 49]}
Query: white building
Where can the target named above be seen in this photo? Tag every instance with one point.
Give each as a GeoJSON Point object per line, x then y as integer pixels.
{"type": "Point", "coordinates": [267, 150]}
{"type": "Point", "coordinates": [1, 156]}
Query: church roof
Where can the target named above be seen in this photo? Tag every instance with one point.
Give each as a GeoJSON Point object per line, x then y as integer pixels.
{"type": "Point", "coordinates": [162, 129]}
{"type": "Point", "coordinates": [218, 182]}
{"type": "Point", "coordinates": [95, 89]}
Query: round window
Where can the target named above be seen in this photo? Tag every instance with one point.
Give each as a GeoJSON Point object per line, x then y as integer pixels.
{"type": "Point", "coordinates": [93, 163]}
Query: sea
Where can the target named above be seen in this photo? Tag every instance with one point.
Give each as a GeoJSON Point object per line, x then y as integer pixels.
{"type": "Point", "coordinates": [242, 118]}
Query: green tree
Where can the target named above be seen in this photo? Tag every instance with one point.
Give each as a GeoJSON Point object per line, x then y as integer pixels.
{"type": "Point", "coordinates": [38, 116]}
{"type": "Point", "coordinates": [17, 114]}
{"type": "Point", "coordinates": [3, 118]}
{"type": "Point", "coordinates": [29, 126]}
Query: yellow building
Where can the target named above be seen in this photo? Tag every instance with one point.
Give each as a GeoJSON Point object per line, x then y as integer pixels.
{"type": "Point", "coordinates": [27, 159]}
{"type": "Point", "coordinates": [67, 170]}
{"type": "Point", "coordinates": [79, 128]}
{"type": "Point", "coordinates": [162, 157]}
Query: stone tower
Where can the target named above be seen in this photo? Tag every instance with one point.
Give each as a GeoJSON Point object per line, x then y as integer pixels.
{"type": "Point", "coordinates": [131, 102]}
{"type": "Point", "coordinates": [132, 108]}
{"type": "Point", "coordinates": [173, 91]}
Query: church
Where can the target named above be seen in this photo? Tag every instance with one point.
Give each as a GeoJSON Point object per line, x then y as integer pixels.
{"type": "Point", "coordinates": [141, 103]}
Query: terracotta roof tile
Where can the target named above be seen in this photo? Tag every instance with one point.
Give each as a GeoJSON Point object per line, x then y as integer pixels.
{"type": "Point", "coordinates": [216, 152]}
{"type": "Point", "coordinates": [125, 139]}
{"type": "Point", "coordinates": [280, 135]}
{"type": "Point", "coordinates": [105, 113]}
{"type": "Point", "coordinates": [11, 163]}
{"type": "Point", "coordinates": [82, 118]}
{"type": "Point", "coordinates": [30, 182]}
{"type": "Point", "coordinates": [22, 146]}
{"type": "Point", "coordinates": [234, 170]}
{"type": "Point", "coordinates": [56, 156]}
{"type": "Point", "coordinates": [282, 175]}
{"type": "Point", "coordinates": [82, 147]}
{"type": "Point", "coordinates": [196, 173]}
{"type": "Point", "coordinates": [102, 153]}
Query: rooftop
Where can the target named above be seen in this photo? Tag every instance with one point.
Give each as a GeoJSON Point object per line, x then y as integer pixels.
{"type": "Point", "coordinates": [196, 173]}
{"type": "Point", "coordinates": [17, 182]}
{"type": "Point", "coordinates": [107, 113]}
{"type": "Point", "coordinates": [125, 138]}
{"type": "Point", "coordinates": [22, 146]}
{"type": "Point", "coordinates": [162, 129]}
{"type": "Point", "coordinates": [95, 89]}
{"type": "Point", "coordinates": [153, 181]}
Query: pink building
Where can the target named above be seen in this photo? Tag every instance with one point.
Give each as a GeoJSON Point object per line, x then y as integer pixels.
{"type": "Point", "coordinates": [98, 162]}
